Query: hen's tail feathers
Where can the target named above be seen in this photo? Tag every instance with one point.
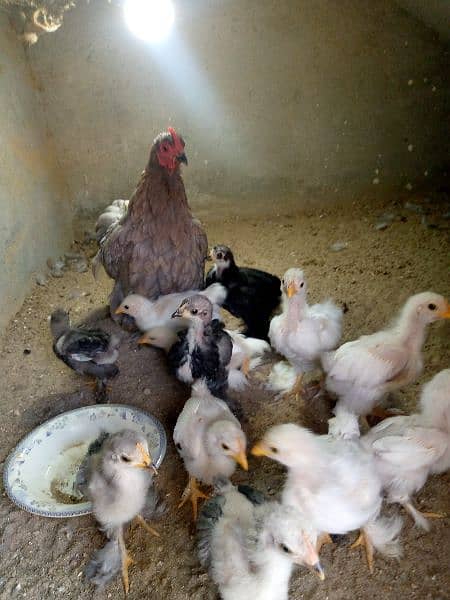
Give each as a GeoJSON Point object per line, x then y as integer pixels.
{"type": "Point", "coordinates": [109, 218]}
{"type": "Point", "coordinates": [282, 377]}
{"type": "Point", "coordinates": [216, 293]}
{"type": "Point", "coordinates": [105, 564]}
{"type": "Point", "coordinates": [383, 533]}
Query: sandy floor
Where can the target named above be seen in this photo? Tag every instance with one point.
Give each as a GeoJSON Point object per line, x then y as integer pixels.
{"type": "Point", "coordinates": [373, 275]}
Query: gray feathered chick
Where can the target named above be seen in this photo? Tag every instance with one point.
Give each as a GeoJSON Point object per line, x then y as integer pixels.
{"type": "Point", "coordinates": [119, 478]}
{"type": "Point", "coordinates": [91, 352]}
{"type": "Point", "coordinates": [251, 545]}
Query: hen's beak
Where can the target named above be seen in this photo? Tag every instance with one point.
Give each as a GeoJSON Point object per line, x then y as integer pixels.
{"type": "Point", "coordinates": [291, 290]}
{"type": "Point", "coordinates": [119, 311]}
{"type": "Point", "coordinates": [241, 459]}
{"type": "Point", "coordinates": [446, 313]}
{"type": "Point", "coordinates": [182, 158]}
{"type": "Point", "coordinates": [260, 449]}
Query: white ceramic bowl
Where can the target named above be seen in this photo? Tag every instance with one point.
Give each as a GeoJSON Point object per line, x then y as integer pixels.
{"type": "Point", "coordinates": [40, 472]}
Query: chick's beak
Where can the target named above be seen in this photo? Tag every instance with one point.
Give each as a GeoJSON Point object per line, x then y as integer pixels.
{"type": "Point", "coordinates": [143, 339]}
{"type": "Point", "coordinates": [146, 459]}
{"type": "Point", "coordinates": [446, 313]}
{"type": "Point", "coordinates": [182, 158]}
{"type": "Point", "coordinates": [241, 459]}
{"type": "Point", "coordinates": [291, 290]}
{"type": "Point", "coordinates": [260, 449]}
{"type": "Point", "coordinates": [177, 313]}
{"type": "Point", "coordinates": [318, 569]}
{"type": "Point", "coordinates": [119, 311]}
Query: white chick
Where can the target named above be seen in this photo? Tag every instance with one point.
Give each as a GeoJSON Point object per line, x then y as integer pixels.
{"type": "Point", "coordinates": [120, 475]}
{"type": "Point", "coordinates": [360, 373]}
{"type": "Point", "coordinates": [301, 332]}
{"type": "Point", "coordinates": [408, 448]}
{"type": "Point", "coordinates": [333, 482]}
{"type": "Point", "coordinates": [155, 313]}
{"type": "Point", "coordinates": [210, 441]}
{"type": "Point", "coordinates": [251, 545]}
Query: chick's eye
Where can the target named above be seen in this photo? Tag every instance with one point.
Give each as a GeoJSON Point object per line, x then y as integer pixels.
{"type": "Point", "coordinates": [219, 255]}
{"type": "Point", "coordinates": [126, 307]}
{"type": "Point", "coordinates": [302, 284]}
{"type": "Point", "coordinates": [164, 148]}
{"type": "Point", "coordinates": [178, 445]}
{"type": "Point", "coordinates": [194, 311]}
{"type": "Point", "coordinates": [432, 306]}
{"type": "Point", "coordinates": [225, 447]}
{"type": "Point", "coordinates": [125, 458]}
{"type": "Point", "coordinates": [274, 450]}
{"type": "Point", "coordinates": [285, 548]}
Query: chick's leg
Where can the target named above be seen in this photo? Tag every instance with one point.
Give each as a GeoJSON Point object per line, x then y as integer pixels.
{"type": "Point", "coordinates": [420, 518]}
{"type": "Point", "coordinates": [126, 561]}
{"type": "Point", "coordinates": [363, 540]}
{"type": "Point", "coordinates": [146, 526]}
{"type": "Point", "coordinates": [324, 538]}
{"type": "Point", "coordinates": [245, 367]}
{"type": "Point", "coordinates": [193, 492]}
{"type": "Point", "coordinates": [298, 387]}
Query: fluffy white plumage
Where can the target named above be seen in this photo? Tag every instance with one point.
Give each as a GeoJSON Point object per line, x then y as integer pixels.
{"type": "Point", "coordinates": [208, 438]}
{"type": "Point", "coordinates": [156, 313]}
{"type": "Point", "coordinates": [408, 448]}
{"type": "Point", "coordinates": [361, 372]}
{"type": "Point", "coordinates": [253, 547]}
{"type": "Point", "coordinates": [333, 482]}
{"type": "Point", "coordinates": [302, 332]}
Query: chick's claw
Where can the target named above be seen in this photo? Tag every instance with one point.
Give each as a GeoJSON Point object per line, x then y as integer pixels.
{"type": "Point", "coordinates": [146, 526]}
{"type": "Point", "coordinates": [363, 540]}
{"type": "Point", "coordinates": [193, 492]}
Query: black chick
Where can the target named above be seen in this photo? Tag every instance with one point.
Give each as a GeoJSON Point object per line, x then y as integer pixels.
{"type": "Point", "coordinates": [203, 351]}
{"type": "Point", "coordinates": [87, 351]}
{"type": "Point", "coordinates": [252, 296]}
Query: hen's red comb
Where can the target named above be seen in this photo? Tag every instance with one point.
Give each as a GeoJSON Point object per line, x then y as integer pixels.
{"type": "Point", "coordinates": [178, 144]}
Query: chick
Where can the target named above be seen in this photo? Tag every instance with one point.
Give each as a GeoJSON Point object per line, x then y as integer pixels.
{"type": "Point", "coordinates": [120, 472]}
{"type": "Point", "coordinates": [408, 448]}
{"type": "Point", "coordinates": [87, 351]}
{"type": "Point", "coordinates": [204, 350]}
{"type": "Point", "coordinates": [334, 484]}
{"type": "Point", "coordinates": [246, 352]}
{"type": "Point", "coordinates": [252, 296]}
{"type": "Point", "coordinates": [250, 545]}
{"type": "Point", "coordinates": [362, 372]}
{"type": "Point", "coordinates": [301, 333]}
{"type": "Point", "coordinates": [156, 313]}
{"type": "Point", "coordinates": [210, 441]}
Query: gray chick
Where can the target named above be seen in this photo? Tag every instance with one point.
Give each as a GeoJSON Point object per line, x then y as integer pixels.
{"type": "Point", "coordinates": [87, 351]}
{"type": "Point", "coordinates": [119, 480]}
{"type": "Point", "coordinates": [250, 545]}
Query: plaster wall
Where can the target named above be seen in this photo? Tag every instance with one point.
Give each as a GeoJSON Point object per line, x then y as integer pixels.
{"type": "Point", "coordinates": [35, 211]}
{"type": "Point", "coordinates": [272, 96]}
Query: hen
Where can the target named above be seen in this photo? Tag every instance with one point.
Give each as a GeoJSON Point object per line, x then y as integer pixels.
{"type": "Point", "coordinates": [210, 441]}
{"type": "Point", "coordinates": [302, 332]}
{"type": "Point", "coordinates": [253, 295]}
{"type": "Point", "coordinates": [250, 545]}
{"type": "Point", "coordinates": [408, 448]}
{"type": "Point", "coordinates": [360, 373]}
{"type": "Point", "coordinates": [153, 245]}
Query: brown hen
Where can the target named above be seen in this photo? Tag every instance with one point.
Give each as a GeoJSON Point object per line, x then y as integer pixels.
{"type": "Point", "coordinates": [152, 245]}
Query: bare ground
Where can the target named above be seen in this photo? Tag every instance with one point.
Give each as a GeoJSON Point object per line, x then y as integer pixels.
{"type": "Point", "coordinates": [373, 275]}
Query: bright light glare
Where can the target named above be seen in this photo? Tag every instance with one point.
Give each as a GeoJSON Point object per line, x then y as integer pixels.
{"type": "Point", "coordinates": [149, 20]}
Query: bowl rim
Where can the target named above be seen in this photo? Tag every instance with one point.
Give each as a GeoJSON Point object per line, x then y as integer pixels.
{"type": "Point", "coordinates": [80, 512]}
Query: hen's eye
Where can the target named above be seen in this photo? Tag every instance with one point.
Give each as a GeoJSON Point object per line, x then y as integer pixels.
{"type": "Point", "coordinates": [164, 148]}
{"type": "Point", "coordinates": [125, 458]}
{"type": "Point", "coordinates": [274, 450]}
{"type": "Point", "coordinates": [285, 548]}
{"type": "Point", "coordinates": [194, 311]}
{"type": "Point", "coordinates": [225, 447]}
{"type": "Point", "coordinates": [432, 306]}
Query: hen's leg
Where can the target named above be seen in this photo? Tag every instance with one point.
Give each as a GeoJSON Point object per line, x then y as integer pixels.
{"type": "Point", "coordinates": [193, 492]}
{"type": "Point", "coordinates": [115, 300]}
